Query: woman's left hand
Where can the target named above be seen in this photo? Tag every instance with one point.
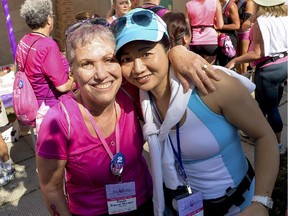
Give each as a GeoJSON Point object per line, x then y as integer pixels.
{"type": "Point", "coordinates": [192, 68]}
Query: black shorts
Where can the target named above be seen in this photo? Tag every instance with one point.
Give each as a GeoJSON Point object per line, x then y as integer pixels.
{"type": "Point", "coordinates": [208, 50]}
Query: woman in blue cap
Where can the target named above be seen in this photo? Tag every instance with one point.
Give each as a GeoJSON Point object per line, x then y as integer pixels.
{"type": "Point", "coordinates": [193, 138]}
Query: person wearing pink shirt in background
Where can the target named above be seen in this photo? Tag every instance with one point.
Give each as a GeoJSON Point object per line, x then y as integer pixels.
{"type": "Point", "coordinates": [246, 10]}
{"type": "Point", "coordinates": [205, 18]}
{"type": "Point", "coordinates": [268, 53]}
{"type": "Point", "coordinates": [39, 56]}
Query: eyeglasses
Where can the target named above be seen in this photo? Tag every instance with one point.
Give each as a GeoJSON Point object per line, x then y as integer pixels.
{"type": "Point", "coordinates": [92, 21]}
{"type": "Point", "coordinates": [141, 18]}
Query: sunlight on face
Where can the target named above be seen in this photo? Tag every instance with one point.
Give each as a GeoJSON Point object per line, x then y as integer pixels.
{"type": "Point", "coordinates": [97, 71]}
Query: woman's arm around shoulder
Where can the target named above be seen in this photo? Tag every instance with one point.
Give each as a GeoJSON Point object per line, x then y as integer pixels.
{"type": "Point", "coordinates": [189, 68]}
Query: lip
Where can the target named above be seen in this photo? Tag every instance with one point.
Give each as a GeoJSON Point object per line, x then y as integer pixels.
{"type": "Point", "coordinates": [103, 86]}
{"type": "Point", "coordinates": [143, 79]}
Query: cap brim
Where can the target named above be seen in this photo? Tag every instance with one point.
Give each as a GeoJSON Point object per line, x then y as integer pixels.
{"type": "Point", "coordinates": [145, 35]}
{"type": "Point", "coordinates": [269, 3]}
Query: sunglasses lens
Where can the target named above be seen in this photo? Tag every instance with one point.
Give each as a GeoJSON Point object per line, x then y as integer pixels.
{"type": "Point", "coordinates": [142, 18]}
{"type": "Point", "coordinates": [93, 21]}
{"type": "Point", "coordinates": [118, 25]}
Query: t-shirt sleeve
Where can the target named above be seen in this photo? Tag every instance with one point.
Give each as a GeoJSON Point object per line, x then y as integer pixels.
{"type": "Point", "coordinates": [52, 141]}
{"type": "Point", "coordinates": [53, 65]}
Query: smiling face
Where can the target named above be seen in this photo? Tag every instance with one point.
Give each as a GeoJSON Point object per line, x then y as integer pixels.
{"type": "Point", "coordinates": [121, 7]}
{"type": "Point", "coordinates": [97, 72]}
{"type": "Point", "coordinates": [145, 65]}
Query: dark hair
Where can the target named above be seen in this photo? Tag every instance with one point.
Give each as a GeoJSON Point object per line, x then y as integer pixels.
{"type": "Point", "coordinates": [177, 27]}
{"type": "Point", "coordinates": [83, 15]}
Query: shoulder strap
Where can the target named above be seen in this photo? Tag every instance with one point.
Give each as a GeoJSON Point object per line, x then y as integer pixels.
{"type": "Point", "coordinates": [225, 7]}
{"type": "Point", "coordinates": [67, 117]}
{"type": "Point", "coordinates": [28, 53]}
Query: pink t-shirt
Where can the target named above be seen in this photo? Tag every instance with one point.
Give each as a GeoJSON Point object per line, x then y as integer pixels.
{"type": "Point", "coordinates": [45, 66]}
{"type": "Point", "coordinates": [88, 163]}
{"type": "Point", "coordinates": [202, 13]}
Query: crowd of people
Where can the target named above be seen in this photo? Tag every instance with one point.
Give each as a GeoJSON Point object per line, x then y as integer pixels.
{"type": "Point", "coordinates": [190, 108]}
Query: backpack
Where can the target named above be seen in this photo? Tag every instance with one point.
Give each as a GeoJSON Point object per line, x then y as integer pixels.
{"type": "Point", "coordinates": [24, 101]}
{"type": "Point", "coordinates": [225, 42]}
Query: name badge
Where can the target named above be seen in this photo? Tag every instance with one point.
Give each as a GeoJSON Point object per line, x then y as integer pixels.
{"type": "Point", "coordinates": [189, 204]}
{"type": "Point", "coordinates": [121, 197]}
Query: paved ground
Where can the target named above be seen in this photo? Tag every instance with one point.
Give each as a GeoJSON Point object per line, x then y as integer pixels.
{"type": "Point", "coordinates": [22, 196]}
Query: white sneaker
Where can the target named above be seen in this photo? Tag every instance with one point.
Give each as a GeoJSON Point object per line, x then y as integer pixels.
{"type": "Point", "coordinates": [282, 149]}
{"type": "Point", "coordinates": [6, 176]}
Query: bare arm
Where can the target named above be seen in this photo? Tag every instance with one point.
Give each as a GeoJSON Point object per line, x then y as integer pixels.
{"type": "Point", "coordinates": [66, 86]}
{"type": "Point", "coordinates": [252, 55]}
{"type": "Point", "coordinates": [189, 68]}
{"type": "Point", "coordinates": [234, 16]}
{"type": "Point", "coordinates": [219, 22]}
{"type": "Point", "coordinates": [232, 99]}
{"type": "Point", "coordinates": [248, 9]}
{"type": "Point", "coordinates": [51, 173]}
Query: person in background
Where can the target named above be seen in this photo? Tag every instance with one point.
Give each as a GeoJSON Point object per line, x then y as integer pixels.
{"type": "Point", "coordinates": [7, 171]}
{"type": "Point", "coordinates": [178, 28]}
{"type": "Point", "coordinates": [197, 133]}
{"type": "Point", "coordinates": [134, 3]}
{"type": "Point", "coordinates": [246, 14]}
{"type": "Point", "coordinates": [231, 25]}
{"type": "Point", "coordinates": [155, 6]}
{"type": "Point", "coordinates": [268, 53]}
{"type": "Point", "coordinates": [118, 9]}
{"type": "Point", "coordinates": [39, 56]}
{"type": "Point", "coordinates": [83, 15]}
{"type": "Point", "coordinates": [205, 18]}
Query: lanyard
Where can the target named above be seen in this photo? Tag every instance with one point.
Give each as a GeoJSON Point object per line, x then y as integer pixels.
{"type": "Point", "coordinates": [100, 136]}
{"type": "Point", "coordinates": [180, 167]}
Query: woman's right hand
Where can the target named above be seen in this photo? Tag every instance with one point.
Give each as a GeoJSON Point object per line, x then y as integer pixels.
{"type": "Point", "coordinates": [192, 68]}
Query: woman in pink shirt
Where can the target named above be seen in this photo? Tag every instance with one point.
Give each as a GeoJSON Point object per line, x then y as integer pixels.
{"type": "Point", "coordinates": [39, 56]}
{"type": "Point", "coordinates": [205, 17]}
{"type": "Point", "coordinates": [92, 146]}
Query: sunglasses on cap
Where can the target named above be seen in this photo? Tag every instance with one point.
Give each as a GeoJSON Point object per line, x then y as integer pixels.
{"type": "Point", "coordinates": [141, 18]}
{"type": "Point", "coordinates": [92, 21]}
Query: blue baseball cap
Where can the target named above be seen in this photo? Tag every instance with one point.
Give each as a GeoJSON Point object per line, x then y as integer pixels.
{"type": "Point", "coordinates": [138, 24]}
